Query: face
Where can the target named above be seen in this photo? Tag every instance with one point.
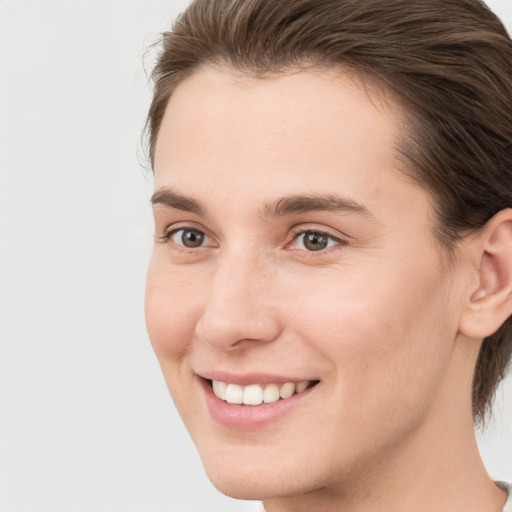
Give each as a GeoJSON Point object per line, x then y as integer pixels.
{"type": "Point", "coordinates": [295, 270]}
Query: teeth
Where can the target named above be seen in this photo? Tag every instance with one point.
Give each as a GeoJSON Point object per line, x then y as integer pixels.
{"type": "Point", "coordinates": [234, 394]}
{"type": "Point", "coordinates": [253, 395]}
{"type": "Point", "coordinates": [301, 386]}
{"type": "Point", "coordinates": [271, 393]}
{"type": "Point", "coordinates": [256, 394]}
{"type": "Point", "coordinates": [287, 390]}
{"type": "Point", "coordinates": [219, 388]}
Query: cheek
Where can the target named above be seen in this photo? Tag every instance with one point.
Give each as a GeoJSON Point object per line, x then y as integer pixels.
{"type": "Point", "coordinates": [170, 314]}
{"type": "Point", "coordinates": [387, 334]}
{"type": "Point", "coordinates": [170, 311]}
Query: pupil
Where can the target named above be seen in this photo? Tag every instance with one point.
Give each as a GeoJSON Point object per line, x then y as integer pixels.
{"type": "Point", "coordinates": [192, 238]}
{"type": "Point", "coordinates": [315, 241]}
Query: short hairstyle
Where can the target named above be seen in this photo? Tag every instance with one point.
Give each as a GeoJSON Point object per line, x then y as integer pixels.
{"type": "Point", "coordinates": [448, 61]}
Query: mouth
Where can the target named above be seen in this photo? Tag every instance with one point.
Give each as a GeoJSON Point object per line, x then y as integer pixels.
{"type": "Point", "coordinates": [251, 401]}
{"type": "Point", "coordinates": [258, 393]}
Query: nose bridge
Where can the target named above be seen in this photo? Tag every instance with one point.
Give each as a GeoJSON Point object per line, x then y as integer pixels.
{"type": "Point", "coordinates": [239, 307]}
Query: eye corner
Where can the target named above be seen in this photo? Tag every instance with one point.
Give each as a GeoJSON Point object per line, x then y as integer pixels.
{"type": "Point", "coordinates": [160, 239]}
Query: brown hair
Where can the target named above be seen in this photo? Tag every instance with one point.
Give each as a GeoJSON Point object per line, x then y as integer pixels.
{"type": "Point", "coordinates": [450, 62]}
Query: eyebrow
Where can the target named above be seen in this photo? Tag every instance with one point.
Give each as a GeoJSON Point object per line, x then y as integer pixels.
{"type": "Point", "coordinates": [290, 205]}
{"type": "Point", "coordinates": [294, 205]}
{"type": "Point", "coordinates": [168, 197]}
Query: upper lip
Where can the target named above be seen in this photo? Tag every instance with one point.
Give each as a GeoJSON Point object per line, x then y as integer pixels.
{"type": "Point", "coordinates": [249, 378]}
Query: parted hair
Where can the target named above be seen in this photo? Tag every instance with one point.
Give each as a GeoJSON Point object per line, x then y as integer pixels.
{"type": "Point", "coordinates": [449, 62]}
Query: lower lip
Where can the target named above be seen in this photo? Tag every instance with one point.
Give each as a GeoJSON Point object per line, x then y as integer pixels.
{"type": "Point", "coordinates": [249, 417]}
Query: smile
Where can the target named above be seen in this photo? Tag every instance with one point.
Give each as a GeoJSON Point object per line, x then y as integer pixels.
{"type": "Point", "coordinates": [257, 394]}
{"type": "Point", "coordinates": [253, 401]}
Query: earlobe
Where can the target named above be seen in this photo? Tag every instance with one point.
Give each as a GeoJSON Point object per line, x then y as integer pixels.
{"type": "Point", "coordinates": [490, 302]}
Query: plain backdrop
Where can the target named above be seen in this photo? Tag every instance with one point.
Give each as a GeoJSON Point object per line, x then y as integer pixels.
{"type": "Point", "coordinates": [86, 423]}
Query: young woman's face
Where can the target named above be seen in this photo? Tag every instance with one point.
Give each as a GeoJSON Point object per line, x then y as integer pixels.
{"type": "Point", "coordinates": [293, 257]}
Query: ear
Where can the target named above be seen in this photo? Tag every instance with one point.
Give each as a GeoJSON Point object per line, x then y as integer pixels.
{"type": "Point", "coordinates": [490, 301]}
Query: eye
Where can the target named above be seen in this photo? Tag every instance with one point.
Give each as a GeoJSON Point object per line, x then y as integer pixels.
{"type": "Point", "coordinates": [314, 241]}
{"type": "Point", "coordinates": [187, 237]}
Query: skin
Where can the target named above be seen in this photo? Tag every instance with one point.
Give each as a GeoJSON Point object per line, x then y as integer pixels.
{"type": "Point", "coordinates": [375, 316]}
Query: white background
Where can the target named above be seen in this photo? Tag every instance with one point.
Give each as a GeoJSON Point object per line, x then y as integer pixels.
{"type": "Point", "coordinates": [86, 423]}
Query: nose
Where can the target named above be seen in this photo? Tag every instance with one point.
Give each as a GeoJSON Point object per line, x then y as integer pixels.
{"type": "Point", "coordinates": [239, 309]}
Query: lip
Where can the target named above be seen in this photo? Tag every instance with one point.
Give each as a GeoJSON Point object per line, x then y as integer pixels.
{"type": "Point", "coordinates": [249, 417]}
{"type": "Point", "coordinates": [250, 378]}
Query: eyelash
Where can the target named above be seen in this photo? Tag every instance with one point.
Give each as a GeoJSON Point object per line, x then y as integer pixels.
{"type": "Point", "coordinates": [330, 238]}
{"type": "Point", "coordinates": [168, 235]}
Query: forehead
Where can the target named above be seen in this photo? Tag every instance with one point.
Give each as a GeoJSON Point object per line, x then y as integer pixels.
{"type": "Point", "coordinates": [222, 109]}
{"type": "Point", "coordinates": [227, 136]}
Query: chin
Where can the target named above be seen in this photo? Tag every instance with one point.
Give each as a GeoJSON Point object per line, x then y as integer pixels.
{"type": "Point", "coordinates": [243, 486]}
{"type": "Point", "coordinates": [243, 490]}
{"type": "Point", "coordinates": [261, 476]}
{"type": "Point", "coordinates": [244, 480]}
